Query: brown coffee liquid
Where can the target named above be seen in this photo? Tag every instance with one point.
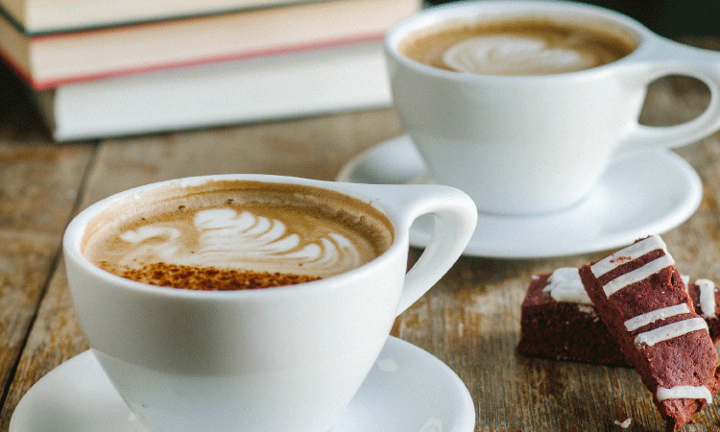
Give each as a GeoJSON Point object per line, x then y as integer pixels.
{"type": "Point", "coordinates": [595, 47]}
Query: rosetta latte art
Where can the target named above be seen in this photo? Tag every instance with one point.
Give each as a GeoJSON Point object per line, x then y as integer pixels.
{"type": "Point", "coordinates": [512, 55]}
{"type": "Point", "coordinates": [227, 238]}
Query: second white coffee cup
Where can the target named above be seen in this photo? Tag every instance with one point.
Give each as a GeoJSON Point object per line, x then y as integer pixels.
{"type": "Point", "coordinates": [532, 144]}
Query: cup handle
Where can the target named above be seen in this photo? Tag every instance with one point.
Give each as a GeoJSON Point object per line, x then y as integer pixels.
{"type": "Point", "coordinates": [455, 219]}
{"type": "Point", "coordinates": [664, 57]}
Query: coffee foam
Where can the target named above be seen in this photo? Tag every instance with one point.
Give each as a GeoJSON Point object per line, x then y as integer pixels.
{"type": "Point", "coordinates": [514, 55]}
{"type": "Point", "coordinates": [246, 228]}
{"type": "Point", "coordinates": [228, 238]}
{"type": "Point", "coordinates": [521, 46]}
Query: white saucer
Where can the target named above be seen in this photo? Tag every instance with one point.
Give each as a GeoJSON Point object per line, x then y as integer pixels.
{"type": "Point", "coordinates": [648, 194]}
{"type": "Point", "coordinates": [407, 390]}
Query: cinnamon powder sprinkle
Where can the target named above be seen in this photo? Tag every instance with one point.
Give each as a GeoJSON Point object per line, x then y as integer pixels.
{"type": "Point", "coordinates": [209, 279]}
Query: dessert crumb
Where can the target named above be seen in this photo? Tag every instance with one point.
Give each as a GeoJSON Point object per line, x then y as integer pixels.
{"type": "Point", "coordinates": [625, 423]}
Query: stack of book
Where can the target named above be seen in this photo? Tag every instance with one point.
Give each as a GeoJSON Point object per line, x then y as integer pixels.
{"type": "Point", "coordinates": [115, 67]}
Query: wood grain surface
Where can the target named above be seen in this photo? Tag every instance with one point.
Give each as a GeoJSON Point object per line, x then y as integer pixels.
{"type": "Point", "coordinates": [470, 319]}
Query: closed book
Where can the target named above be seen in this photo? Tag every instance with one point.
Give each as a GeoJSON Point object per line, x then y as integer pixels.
{"type": "Point", "coordinates": [35, 17]}
{"type": "Point", "coordinates": [302, 83]}
{"type": "Point", "coordinates": [51, 60]}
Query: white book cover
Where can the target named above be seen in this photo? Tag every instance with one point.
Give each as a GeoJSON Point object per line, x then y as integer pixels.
{"type": "Point", "coordinates": [336, 79]}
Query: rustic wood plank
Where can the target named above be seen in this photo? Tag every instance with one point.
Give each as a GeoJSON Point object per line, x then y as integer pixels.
{"type": "Point", "coordinates": [312, 148]}
{"type": "Point", "coordinates": [55, 338]}
{"type": "Point", "coordinates": [39, 184]}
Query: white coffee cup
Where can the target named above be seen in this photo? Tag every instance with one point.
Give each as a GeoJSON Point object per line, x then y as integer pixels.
{"type": "Point", "coordinates": [277, 359]}
{"type": "Point", "coordinates": [533, 144]}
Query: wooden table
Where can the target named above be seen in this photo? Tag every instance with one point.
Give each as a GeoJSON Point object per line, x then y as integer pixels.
{"type": "Point", "coordinates": [470, 320]}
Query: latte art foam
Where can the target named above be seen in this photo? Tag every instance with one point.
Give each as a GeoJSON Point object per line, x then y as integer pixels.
{"type": "Point", "coordinates": [237, 235]}
{"type": "Point", "coordinates": [226, 238]}
{"type": "Point", "coordinates": [514, 55]}
{"type": "Point", "coordinates": [522, 46]}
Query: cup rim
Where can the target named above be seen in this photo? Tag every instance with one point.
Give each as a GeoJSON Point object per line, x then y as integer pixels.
{"type": "Point", "coordinates": [75, 231]}
{"type": "Point", "coordinates": [445, 12]}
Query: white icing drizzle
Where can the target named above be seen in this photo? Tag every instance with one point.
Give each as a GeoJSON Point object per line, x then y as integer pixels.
{"type": "Point", "coordinates": [630, 253]}
{"type": "Point", "coordinates": [565, 285]}
{"type": "Point", "coordinates": [658, 314]}
{"type": "Point", "coordinates": [670, 331]}
{"type": "Point", "coordinates": [707, 297]}
{"type": "Point", "coordinates": [684, 392]}
{"type": "Point", "coordinates": [638, 274]}
{"type": "Point", "coordinates": [625, 423]}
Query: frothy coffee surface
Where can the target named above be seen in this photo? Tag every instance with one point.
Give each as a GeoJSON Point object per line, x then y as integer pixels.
{"type": "Point", "coordinates": [237, 235]}
{"type": "Point", "coordinates": [522, 47]}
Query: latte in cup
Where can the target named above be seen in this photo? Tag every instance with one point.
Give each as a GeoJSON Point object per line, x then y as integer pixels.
{"type": "Point", "coordinates": [228, 235]}
{"type": "Point", "coordinates": [529, 46]}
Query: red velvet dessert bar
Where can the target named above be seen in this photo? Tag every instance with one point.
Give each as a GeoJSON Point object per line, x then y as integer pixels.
{"type": "Point", "coordinates": [642, 300]}
{"type": "Point", "coordinates": [559, 321]}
